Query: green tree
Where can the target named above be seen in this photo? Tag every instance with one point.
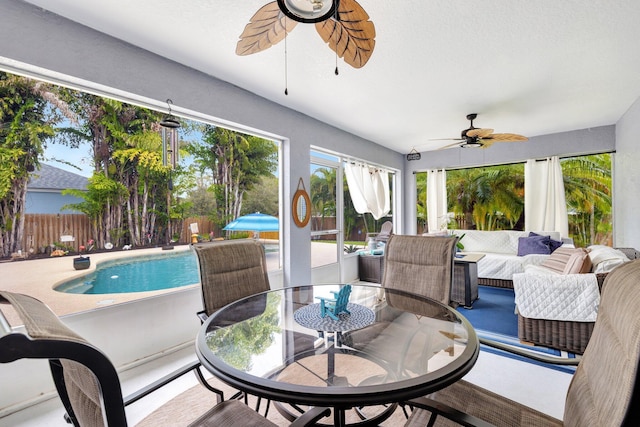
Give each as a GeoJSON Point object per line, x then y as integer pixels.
{"type": "Point", "coordinates": [421, 200]}
{"type": "Point", "coordinates": [25, 125]}
{"type": "Point", "coordinates": [587, 184]}
{"type": "Point", "coordinates": [263, 197]}
{"type": "Point", "coordinates": [489, 198]}
{"type": "Point", "coordinates": [101, 193]}
{"type": "Point", "coordinates": [236, 162]}
{"type": "Point", "coordinates": [323, 194]}
{"type": "Point", "coordinates": [126, 149]}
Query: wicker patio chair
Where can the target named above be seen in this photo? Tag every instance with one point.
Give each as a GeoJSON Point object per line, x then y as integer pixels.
{"type": "Point", "coordinates": [604, 390]}
{"type": "Point", "coordinates": [230, 270]}
{"type": "Point", "coordinates": [86, 380]}
{"type": "Point", "coordinates": [420, 265]}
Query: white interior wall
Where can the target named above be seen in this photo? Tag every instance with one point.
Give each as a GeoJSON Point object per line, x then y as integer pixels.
{"type": "Point", "coordinates": [626, 180]}
{"type": "Point", "coordinates": [31, 37]}
{"type": "Point", "coordinates": [129, 334]}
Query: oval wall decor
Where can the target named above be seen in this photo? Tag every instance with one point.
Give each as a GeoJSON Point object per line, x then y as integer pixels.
{"type": "Point", "coordinates": [301, 206]}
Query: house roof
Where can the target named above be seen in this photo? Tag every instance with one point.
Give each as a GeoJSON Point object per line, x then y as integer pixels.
{"type": "Point", "coordinates": [52, 178]}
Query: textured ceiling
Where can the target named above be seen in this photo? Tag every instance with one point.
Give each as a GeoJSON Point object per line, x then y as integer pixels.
{"type": "Point", "coordinates": [531, 68]}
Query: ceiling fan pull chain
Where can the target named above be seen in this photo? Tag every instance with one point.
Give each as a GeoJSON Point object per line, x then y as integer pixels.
{"type": "Point", "coordinates": [336, 26]}
{"type": "Point", "coordinates": [286, 84]}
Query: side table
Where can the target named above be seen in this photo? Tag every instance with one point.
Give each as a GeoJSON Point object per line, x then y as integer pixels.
{"type": "Point", "coordinates": [464, 290]}
{"type": "Point", "coordinates": [370, 267]}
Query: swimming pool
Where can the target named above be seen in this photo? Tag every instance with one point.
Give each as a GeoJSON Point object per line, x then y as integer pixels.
{"type": "Point", "coordinates": [137, 274]}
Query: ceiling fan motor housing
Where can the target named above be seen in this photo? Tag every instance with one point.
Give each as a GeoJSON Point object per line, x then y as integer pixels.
{"type": "Point", "coordinates": [308, 11]}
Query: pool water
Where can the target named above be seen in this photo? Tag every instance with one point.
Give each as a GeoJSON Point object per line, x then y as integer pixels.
{"type": "Point", "coordinates": [137, 274]}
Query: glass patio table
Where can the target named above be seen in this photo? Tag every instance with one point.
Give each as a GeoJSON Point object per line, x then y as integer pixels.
{"type": "Point", "coordinates": [391, 347]}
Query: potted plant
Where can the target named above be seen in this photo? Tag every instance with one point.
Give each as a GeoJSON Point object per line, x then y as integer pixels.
{"type": "Point", "coordinates": [81, 262]}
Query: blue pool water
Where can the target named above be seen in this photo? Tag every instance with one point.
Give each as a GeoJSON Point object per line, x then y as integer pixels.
{"type": "Point", "coordinates": [137, 274]}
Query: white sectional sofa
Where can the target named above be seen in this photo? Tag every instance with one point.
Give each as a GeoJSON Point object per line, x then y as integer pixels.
{"type": "Point", "coordinates": [557, 306]}
{"type": "Point", "coordinates": [500, 248]}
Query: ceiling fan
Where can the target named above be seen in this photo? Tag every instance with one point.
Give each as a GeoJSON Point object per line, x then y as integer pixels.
{"type": "Point", "coordinates": [343, 24]}
{"type": "Point", "coordinates": [474, 137]}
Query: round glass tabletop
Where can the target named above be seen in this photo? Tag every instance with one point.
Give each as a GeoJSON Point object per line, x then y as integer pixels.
{"type": "Point", "coordinates": [390, 347]}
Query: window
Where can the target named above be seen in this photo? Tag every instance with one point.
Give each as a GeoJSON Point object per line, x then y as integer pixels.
{"type": "Point", "coordinates": [492, 198]}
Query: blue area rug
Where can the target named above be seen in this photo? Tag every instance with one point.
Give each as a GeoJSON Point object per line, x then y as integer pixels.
{"type": "Point", "coordinates": [493, 317]}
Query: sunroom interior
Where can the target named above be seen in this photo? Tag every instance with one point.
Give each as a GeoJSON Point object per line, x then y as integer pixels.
{"type": "Point", "coordinates": [37, 43]}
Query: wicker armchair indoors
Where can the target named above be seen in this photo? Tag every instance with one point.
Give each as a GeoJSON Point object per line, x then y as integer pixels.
{"type": "Point", "coordinates": [604, 390]}
{"type": "Point", "coordinates": [87, 382]}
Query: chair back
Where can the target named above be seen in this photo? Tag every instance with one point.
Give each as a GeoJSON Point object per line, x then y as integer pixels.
{"type": "Point", "coordinates": [230, 270]}
{"type": "Point", "coordinates": [86, 381]}
{"type": "Point", "coordinates": [385, 232]}
{"type": "Point", "coordinates": [604, 390]}
{"type": "Point", "coordinates": [342, 299]}
{"type": "Point", "coordinates": [420, 265]}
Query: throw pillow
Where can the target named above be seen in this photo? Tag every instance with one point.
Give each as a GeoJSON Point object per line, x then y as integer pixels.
{"type": "Point", "coordinates": [578, 263]}
{"type": "Point", "coordinates": [533, 245]}
{"type": "Point", "coordinates": [605, 258]}
{"type": "Point", "coordinates": [561, 261]}
{"type": "Point", "coordinates": [553, 244]}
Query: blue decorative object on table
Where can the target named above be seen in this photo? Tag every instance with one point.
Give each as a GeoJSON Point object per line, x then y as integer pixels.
{"type": "Point", "coordinates": [334, 306]}
{"type": "Point", "coordinates": [309, 317]}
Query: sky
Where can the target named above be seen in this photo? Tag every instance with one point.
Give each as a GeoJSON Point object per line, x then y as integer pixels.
{"type": "Point", "coordinates": [80, 157]}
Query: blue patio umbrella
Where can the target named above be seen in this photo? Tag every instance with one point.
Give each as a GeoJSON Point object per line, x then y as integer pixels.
{"type": "Point", "coordinates": [254, 222]}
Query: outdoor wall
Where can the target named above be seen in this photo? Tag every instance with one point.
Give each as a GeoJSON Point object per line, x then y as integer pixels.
{"type": "Point", "coordinates": [48, 202]}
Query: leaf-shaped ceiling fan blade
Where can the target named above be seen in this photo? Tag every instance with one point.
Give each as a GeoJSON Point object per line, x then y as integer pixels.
{"type": "Point", "coordinates": [506, 137]}
{"type": "Point", "coordinates": [266, 28]}
{"type": "Point", "coordinates": [352, 37]}
{"type": "Point", "coordinates": [455, 144]}
{"type": "Point", "coordinates": [482, 133]}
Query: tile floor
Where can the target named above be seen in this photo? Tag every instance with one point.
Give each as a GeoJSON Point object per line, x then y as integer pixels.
{"type": "Point", "coordinates": [541, 388]}
{"type": "Point", "coordinates": [535, 386]}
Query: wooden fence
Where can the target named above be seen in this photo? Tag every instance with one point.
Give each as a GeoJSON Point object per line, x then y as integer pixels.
{"type": "Point", "coordinates": [43, 230]}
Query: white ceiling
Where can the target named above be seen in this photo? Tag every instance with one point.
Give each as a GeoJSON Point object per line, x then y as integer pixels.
{"type": "Point", "coordinates": [529, 67]}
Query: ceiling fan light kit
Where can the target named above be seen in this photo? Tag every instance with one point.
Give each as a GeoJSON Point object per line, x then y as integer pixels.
{"type": "Point", "coordinates": [308, 11]}
{"type": "Point", "coordinates": [474, 137]}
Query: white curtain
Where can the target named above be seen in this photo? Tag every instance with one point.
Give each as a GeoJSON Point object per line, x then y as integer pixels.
{"type": "Point", "coordinates": [369, 189]}
{"type": "Point", "coordinates": [545, 207]}
{"type": "Point", "coordinates": [436, 200]}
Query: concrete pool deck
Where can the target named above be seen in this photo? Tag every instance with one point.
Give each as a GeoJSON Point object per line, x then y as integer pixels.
{"type": "Point", "coordinates": [39, 277]}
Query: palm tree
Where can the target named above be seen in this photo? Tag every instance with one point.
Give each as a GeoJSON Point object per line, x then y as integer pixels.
{"type": "Point", "coordinates": [489, 198]}
{"type": "Point", "coordinates": [587, 182]}
{"type": "Point", "coordinates": [323, 193]}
